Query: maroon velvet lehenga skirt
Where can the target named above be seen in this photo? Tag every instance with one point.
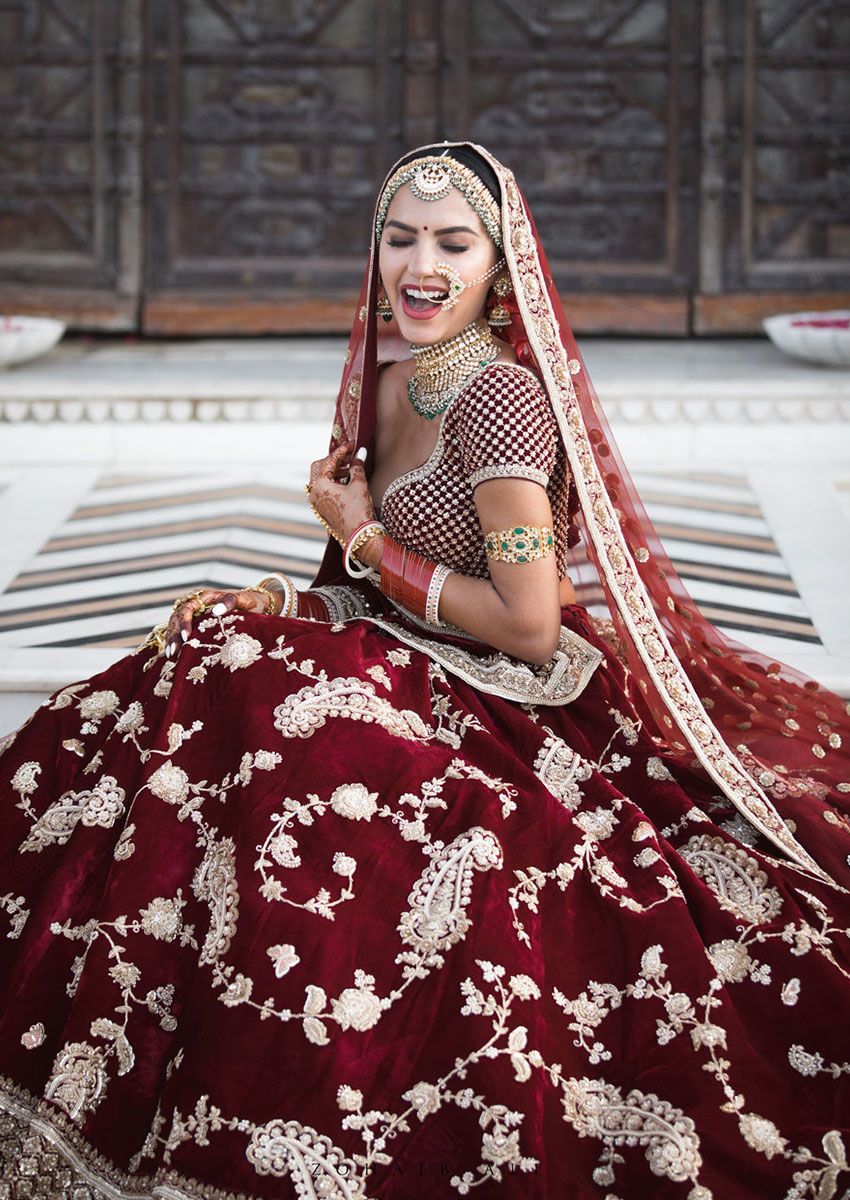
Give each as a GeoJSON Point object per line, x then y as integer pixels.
{"type": "Point", "coordinates": [306, 914]}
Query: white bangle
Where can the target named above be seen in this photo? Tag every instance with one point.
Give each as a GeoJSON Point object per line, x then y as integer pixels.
{"type": "Point", "coordinates": [435, 588]}
{"type": "Point", "coordinates": [283, 585]}
{"type": "Point", "coordinates": [361, 535]}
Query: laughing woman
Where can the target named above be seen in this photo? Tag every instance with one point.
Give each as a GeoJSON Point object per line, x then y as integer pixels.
{"type": "Point", "coordinates": [424, 882]}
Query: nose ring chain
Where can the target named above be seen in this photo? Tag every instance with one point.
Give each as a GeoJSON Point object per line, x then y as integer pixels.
{"type": "Point", "coordinates": [456, 284]}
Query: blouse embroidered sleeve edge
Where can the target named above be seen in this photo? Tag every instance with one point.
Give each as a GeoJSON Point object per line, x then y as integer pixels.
{"type": "Point", "coordinates": [508, 471]}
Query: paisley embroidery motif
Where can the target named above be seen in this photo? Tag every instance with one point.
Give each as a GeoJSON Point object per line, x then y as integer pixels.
{"type": "Point", "coordinates": [437, 916]}
{"type": "Point", "coordinates": [78, 1082]}
{"type": "Point", "coordinates": [560, 769]}
{"type": "Point", "coordinates": [102, 805]}
{"type": "Point", "coordinates": [215, 883]}
{"type": "Point", "coordinates": [355, 699]}
{"type": "Point", "coordinates": [595, 1108]}
{"type": "Point", "coordinates": [319, 1171]}
{"type": "Point", "coordinates": [734, 876]}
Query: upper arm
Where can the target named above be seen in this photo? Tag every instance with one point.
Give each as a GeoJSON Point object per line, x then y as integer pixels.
{"type": "Point", "coordinates": [508, 446]}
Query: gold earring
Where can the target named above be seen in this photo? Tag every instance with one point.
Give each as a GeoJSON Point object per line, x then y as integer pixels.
{"type": "Point", "coordinates": [383, 308]}
{"type": "Point", "coordinates": [499, 315]}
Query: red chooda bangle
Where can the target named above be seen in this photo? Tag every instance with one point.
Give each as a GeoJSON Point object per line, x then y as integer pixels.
{"type": "Point", "coordinates": [406, 576]}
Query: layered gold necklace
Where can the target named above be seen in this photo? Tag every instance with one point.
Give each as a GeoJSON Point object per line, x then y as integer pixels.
{"type": "Point", "coordinates": [443, 370]}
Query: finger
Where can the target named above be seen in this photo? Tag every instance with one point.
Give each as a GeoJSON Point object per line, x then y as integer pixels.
{"type": "Point", "coordinates": [180, 623]}
{"type": "Point", "coordinates": [227, 603]}
{"type": "Point", "coordinates": [187, 612]}
{"type": "Point", "coordinates": [337, 459]}
{"type": "Point", "coordinates": [356, 471]}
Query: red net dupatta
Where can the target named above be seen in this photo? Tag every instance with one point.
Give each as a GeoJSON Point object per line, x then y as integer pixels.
{"type": "Point", "coordinates": [773, 741]}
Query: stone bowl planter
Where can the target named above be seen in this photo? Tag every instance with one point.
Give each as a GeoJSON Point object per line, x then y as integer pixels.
{"type": "Point", "coordinates": [822, 337]}
{"type": "Point", "coordinates": [23, 338]}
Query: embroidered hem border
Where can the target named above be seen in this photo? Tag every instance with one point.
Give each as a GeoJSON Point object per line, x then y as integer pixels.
{"type": "Point", "coordinates": [36, 1118]}
{"type": "Point", "coordinates": [559, 681]}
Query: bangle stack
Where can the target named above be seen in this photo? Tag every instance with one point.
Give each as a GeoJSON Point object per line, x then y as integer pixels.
{"type": "Point", "coordinates": [307, 605]}
{"type": "Point", "coordinates": [279, 585]}
{"type": "Point", "coordinates": [435, 588]}
{"type": "Point", "coordinates": [361, 535]}
{"type": "Point", "coordinates": [412, 581]}
{"type": "Point", "coordinates": [310, 607]}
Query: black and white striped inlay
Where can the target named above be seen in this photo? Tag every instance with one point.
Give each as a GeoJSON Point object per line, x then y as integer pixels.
{"type": "Point", "coordinates": [112, 570]}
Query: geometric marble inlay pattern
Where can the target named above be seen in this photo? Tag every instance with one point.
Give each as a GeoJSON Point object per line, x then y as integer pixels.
{"type": "Point", "coordinates": [111, 571]}
{"type": "Point", "coordinates": [716, 535]}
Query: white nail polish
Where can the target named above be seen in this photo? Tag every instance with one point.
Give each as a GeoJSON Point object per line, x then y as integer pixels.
{"type": "Point", "coordinates": [169, 650]}
{"type": "Point", "coordinates": [361, 454]}
{"type": "Point", "coordinates": [184, 635]}
{"type": "Point", "coordinates": [219, 610]}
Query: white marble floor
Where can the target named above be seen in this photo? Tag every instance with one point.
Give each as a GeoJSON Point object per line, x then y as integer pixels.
{"type": "Point", "coordinates": [773, 434]}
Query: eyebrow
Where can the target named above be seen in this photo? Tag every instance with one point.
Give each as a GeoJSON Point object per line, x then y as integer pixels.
{"type": "Point", "coordinates": [439, 232]}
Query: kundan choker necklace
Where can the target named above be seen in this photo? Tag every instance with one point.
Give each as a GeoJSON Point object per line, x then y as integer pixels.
{"type": "Point", "coordinates": [443, 370]}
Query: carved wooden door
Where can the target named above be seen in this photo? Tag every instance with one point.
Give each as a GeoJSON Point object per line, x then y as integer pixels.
{"type": "Point", "coordinates": [273, 122]}
{"type": "Point", "coordinates": [69, 159]}
{"type": "Point", "coordinates": [775, 229]}
{"type": "Point", "coordinates": [210, 165]}
{"type": "Point", "coordinates": [270, 123]}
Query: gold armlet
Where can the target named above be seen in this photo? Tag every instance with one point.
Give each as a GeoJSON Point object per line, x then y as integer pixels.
{"type": "Point", "coordinates": [521, 544]}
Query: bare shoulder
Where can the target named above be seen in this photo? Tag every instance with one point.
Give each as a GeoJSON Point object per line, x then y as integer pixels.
{"type": "Point", "coordinates": [392, 385]}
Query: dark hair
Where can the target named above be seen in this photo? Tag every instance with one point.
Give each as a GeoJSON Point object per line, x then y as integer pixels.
{"type": "Point", "coordinates": [468, 157]}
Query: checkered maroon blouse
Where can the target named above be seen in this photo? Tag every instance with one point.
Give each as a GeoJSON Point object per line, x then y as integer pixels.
{"type": "Point", "coordinates": [501, 425]}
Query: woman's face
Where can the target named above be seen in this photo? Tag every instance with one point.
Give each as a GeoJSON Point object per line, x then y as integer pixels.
{"type": "Point", "coordinates": [417, 236]}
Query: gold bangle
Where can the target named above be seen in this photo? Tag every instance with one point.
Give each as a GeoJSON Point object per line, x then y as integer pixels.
{"type": "Point", "coordinates": [271, 603]}
{"type": "Point", "coordinates": [521, 544]}
{"type": "Point", "coordinates": [285, 588]}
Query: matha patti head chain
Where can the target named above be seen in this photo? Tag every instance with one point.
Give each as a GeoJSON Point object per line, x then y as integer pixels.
{"type": "Point", "coordinates": [432, 178]}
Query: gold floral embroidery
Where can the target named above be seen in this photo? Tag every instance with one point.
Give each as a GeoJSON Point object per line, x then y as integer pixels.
{"type": "Point", "coordinates": [102, 805]}
{"type": "Point", "coordinates": [18, 913]}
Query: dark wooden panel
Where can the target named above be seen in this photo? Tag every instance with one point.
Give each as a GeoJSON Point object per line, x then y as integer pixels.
{"type": "Point", "coordinates": [776, 174]}
{"type": "Point", "coordinates": [743, 312]}
{"type": "Point", "coordinates": [594, 105]}
{"type": "Point", "coordinates": [69, 158]}
{"type": "Point", "coordinates": [270, 126]}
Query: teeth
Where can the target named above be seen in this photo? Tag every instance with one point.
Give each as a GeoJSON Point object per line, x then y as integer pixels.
{"type": "Point", "coordinates": [418, 295]}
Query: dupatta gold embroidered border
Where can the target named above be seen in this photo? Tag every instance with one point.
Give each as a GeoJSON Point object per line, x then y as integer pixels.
{"type": "Point", "coordinates": [632, 600]}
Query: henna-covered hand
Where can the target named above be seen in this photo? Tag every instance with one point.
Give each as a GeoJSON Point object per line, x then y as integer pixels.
{"type": "Point", "coordinates": [179, 627]}
{"type": "Point", "coordinates": [339, 492]}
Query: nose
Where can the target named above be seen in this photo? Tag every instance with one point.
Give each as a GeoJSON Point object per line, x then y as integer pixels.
{"type": "Point", "coordinates": [421, 261]}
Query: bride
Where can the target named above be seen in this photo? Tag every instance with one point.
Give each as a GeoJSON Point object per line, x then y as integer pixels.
{"type": "Point", "coordinates": [426, 882]}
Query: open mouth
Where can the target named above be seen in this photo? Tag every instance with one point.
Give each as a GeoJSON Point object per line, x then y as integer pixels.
{"type": "Point", "coordinates": [420, 300]}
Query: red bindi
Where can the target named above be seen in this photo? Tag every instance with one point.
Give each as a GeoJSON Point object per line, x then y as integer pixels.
{"type": "Point", "coordinates": [425, 227]}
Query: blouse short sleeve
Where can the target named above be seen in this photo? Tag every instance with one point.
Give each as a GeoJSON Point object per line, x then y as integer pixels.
{"type": "Point", "coordinates": [506, 428]}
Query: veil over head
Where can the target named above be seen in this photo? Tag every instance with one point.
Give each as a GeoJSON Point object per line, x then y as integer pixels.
{"type": "Point", "coordinates": [773, 741]}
